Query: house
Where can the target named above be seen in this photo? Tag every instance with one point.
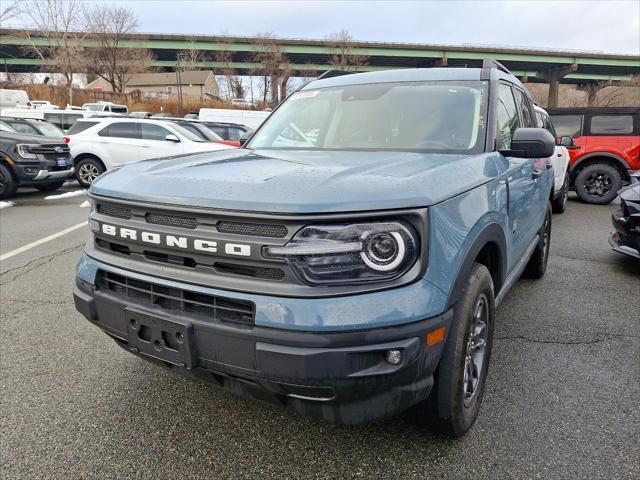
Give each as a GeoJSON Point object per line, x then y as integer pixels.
{"type": "Point", "coordinates": [195, 84]}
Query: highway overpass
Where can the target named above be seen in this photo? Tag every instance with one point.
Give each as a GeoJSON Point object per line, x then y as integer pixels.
{"type": "Point", "coordinates": [309, 57]}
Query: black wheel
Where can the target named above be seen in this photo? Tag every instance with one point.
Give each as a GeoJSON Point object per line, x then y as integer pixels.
{"type": "Point", "coordinates": [87, 170]}
{"type": "Point", "coordinates": [454, 403]}
{"type": "Point", "coordinates": [50, 187]}
{"type": "Point", "coordinates": [559, 204]}
{"type": "Point", "coordinates": [538, 262]}
{"type": "Point", "coordinates": [8, 184]}
{"type": "Point", "coordinates": [598, 183]}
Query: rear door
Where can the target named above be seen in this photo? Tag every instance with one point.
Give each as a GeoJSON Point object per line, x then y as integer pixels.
{"type": "Point", "coordinates": [612, 133]}
{"type": "Point", "coordinates": [519, 177]}
{"type": "Point", "coordinates": [121, 141]}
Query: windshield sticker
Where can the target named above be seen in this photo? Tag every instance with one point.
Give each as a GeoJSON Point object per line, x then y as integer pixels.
{"type": "Point", "coordinates": [306, 94]}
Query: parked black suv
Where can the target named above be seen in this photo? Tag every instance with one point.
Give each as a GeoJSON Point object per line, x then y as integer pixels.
{"type": "Point", "coordinates": [32, 161]}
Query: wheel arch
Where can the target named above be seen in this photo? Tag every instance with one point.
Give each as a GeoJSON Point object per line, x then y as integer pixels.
{"type": "Point", "coordinates": [8, 163]}
{"type": "Point", "coordinates": [83, 156]}
{"type": "Point", "coordinates": [599, 157]}
{"type": "Point", "coordinates": [489, 249]}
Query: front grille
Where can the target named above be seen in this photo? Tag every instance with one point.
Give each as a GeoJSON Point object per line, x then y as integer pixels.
{"type": "Point", "coordinates": [253, 229]}
{"type": "Point", "coordinates": [199, 305]}
{"type": "Point", "coordinates": [113, 211]}
{"type": "Point", "coordinates": [50, 149]}
{"type": "Point", "coordinates": [249, 271]}
{"type": "Point", "coordinates": [171, 220]}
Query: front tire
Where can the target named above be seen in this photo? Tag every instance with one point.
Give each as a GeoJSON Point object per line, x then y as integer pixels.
{"type": "Point", "coordinates": [455, 400]}
{"type": "Point", "coordinates": [598, 183]}
{"type": "Point", "coordinates": [50, 187]}
{"type": "Point", "coordinates": [537, 265]}
{"type": "Point", "coordinates": [559, 204]}
{"type": "Point", "coordinates": [8, 184]}
{"type": "Point", "coordinates": [87, 170]}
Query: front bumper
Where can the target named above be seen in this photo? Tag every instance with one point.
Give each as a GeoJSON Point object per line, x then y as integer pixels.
{"type": "Point", "coordinates": [340, 376]}
{"type": "Point", "coordinates": [41, 170]}
{"type": "Point", "coordinates": [626, 238]}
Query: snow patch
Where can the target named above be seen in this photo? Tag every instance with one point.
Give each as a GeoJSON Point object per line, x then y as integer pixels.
{"type": "Point", "coordinates": [6, 204]}
{"type": "Point", "coordinates": [85, 204]}
{"type": "Point", "coordinates": [77, 193]}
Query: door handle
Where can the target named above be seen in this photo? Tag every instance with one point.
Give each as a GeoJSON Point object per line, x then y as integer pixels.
{"type": "Point", "coordinates": [536, 174]}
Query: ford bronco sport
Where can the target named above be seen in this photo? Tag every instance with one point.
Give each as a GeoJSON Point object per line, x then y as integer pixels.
{"type": "Point", "coordinates": [347, 262]}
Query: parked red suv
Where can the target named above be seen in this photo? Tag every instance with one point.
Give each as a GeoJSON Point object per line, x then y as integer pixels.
{"type": "Point", "coordinates": [606, 148]}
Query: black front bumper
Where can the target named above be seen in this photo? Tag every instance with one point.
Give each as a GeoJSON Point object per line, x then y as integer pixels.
{"type": "Point", "coordinates": [341, 376]}
{"type": "Point", "coordinates": [42, 170]}
{"type": "Point", "coordinates": [626, 238]}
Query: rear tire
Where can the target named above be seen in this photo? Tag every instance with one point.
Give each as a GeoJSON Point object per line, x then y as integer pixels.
{"type": "Point", "coordinates": [537, 265]}
{"type": "Point", "coordinates": [598, 183]}
{"type": "Point", "coordinates": [50, 187]}
{"type": "Point", "coordinates": [454, 402]}
{"type": "Point", "coordinates": [87, 170]}
{"type": "Point", "coordinates": [559, 204]}
{"type": "Point", "coordinates": [8, 184]}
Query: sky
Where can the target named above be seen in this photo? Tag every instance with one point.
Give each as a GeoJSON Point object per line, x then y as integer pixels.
{"type": "Point", "coordinates": [602, 26]}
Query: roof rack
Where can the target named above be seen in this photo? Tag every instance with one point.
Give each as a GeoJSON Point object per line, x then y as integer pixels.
{"type": "Point", "coordinates": [333, 73]}
{"type": "Point", "coordinates": [491, 63]}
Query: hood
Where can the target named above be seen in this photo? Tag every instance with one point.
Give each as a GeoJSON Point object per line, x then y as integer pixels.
{"type": "Point", "coordinates": [279, 181]}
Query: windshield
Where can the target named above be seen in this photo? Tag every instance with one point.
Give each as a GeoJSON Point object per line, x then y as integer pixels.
{"type": "Point", "coordinates": [50, 130]}
{"type": "Point", "coordinates": [415, 116]}
{"type": "Point", "coordinates": [189, 135]}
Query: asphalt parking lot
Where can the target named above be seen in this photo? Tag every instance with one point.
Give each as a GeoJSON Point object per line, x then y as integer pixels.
{"type": "Point", "coordinates": [561, 400]}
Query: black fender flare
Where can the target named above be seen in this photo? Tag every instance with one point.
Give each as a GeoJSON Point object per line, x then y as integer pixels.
{"type": "Point", "coordinates": [491, 233]}
{"type": "Point", "coordinates": [616, 158]}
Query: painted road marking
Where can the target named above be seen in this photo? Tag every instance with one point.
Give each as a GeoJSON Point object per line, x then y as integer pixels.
{"type": "Point", "coordinates": [31, 245]}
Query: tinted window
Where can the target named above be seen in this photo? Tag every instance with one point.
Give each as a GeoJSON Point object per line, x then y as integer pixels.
{"type": "Point", "coordinates": [121, 130]}
{"type": "Point", "coordinates": [154, 132]}
{"type": "Point", "coordinates": [525, 108]}
{"type": "Point", "coordinates": [567, 125]}
{"type": "Point", "coordinates": [115, 109]}
{"type": "Point", "coordinates": [55, 118]}
{"type": "Point", "coordinates": [235, 133]}
{"type": "Point", "coordinates": [543, 122]}
{"type": "Point", "coordinates": [508, 119]}
{"type": "Point", "coordinates": [80, 126]}
{"type": "Point", "coordinates": [23, 128]}
{"type": "Point", "coordinates": [222, 131]}
{"type": "Point", "coordinates": [611, 124]}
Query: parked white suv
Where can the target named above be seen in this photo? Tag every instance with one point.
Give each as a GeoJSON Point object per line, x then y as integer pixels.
{"type": "Point", "coordinates": [560, 162]}
{"type": "Point", "coordinates": [100, 144]}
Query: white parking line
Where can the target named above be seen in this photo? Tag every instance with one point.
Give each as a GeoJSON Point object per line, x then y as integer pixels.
{"type": "Point", "coordinates": [31, 245]}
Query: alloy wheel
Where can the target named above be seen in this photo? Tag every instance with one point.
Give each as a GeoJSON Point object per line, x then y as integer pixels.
{"type": "Point", "coordinates": [598, 184]}
{"type": "Point", "coordinates": [475, 354]}
{"type": "Point", "coordinates": [3, 183]}
{"type": "Point", "coordinates": [88, 173]}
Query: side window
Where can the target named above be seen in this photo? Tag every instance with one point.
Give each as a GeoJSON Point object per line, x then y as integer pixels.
{"type": "Point", "coordinates": [23, 128]}
{"type": "Point", "coordinates": [567, 125]}
{"type": "Point", "coordinates": [525, 108]}
{"type": "Point", "coordinates": [235, 133]}
{"type": "Point", "coordinates": [611, 124]}
{"type": "Point", "coordinates": [54, 118]}
{"type": "Point", "coordinates": [540, 120]}
{"type": "Point", "coordinates": [69, 120]}
{"type": "Point", "coordinates": [508, 119]}
{"type": "Point", "coordinates": [549, 126]}
{"type": "Point", "coordinates": [222, 131]}
{"type": "Point", "coordinates": [153, 132]}
{"type": "Point", "coordinates": [121, 130]}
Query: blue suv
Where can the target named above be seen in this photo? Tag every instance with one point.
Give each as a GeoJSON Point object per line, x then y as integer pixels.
{"type": "Point", "coordinates": [348, 260]}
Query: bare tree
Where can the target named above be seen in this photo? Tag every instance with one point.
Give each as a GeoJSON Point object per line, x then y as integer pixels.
{"type": "Point", "coordinates": [342, 56]}
{"type": "Point", "coordinates": [190, 57]}
{"type": "Point", "coordinates": [273, 64]}
{"type": "Point", "coordinates": [233, 84]}
{"type": "Point", "coordinates": [10, 10]}
{"type": "Point", "coordinates": [108, 25]}
{"type": "Point", "coordinates": [57, 22]}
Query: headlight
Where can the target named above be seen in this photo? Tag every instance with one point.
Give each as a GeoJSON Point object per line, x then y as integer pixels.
{"type": "Point", "coordinates": [24, 150]}
{"type": "Point", "coordinates": [350, 254]}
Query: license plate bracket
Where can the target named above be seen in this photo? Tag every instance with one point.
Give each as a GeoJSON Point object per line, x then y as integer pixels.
{"type": "Point", "coordinates": [166, 340]}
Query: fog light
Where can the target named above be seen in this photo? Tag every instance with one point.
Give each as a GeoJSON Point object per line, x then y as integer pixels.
{"type": "Point", "coordinates": [94, 226]}
{"type": "Point", "coordinates": [394, 357]}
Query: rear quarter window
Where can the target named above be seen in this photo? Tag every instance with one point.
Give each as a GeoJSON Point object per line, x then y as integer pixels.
{"type": "Point", "coordinates": [567, 125]}
{"type": "Point", "coordinates": [611, 125]}
{"type": "Point", "coordinates": [80, 126]}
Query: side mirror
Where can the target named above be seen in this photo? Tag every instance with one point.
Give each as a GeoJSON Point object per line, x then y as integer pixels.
{"type": "Point", "coordinates": [243, 138]}
{"type": "Point", "coordinates": [531, 143]}
{"type": "Point", "coordinates": [566, 141]}
{"type": "Point", "coordinates": [172, 138]}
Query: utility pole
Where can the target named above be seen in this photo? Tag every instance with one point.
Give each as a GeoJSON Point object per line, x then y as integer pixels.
{"type": "Point", "coordinates": [179, 80]}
